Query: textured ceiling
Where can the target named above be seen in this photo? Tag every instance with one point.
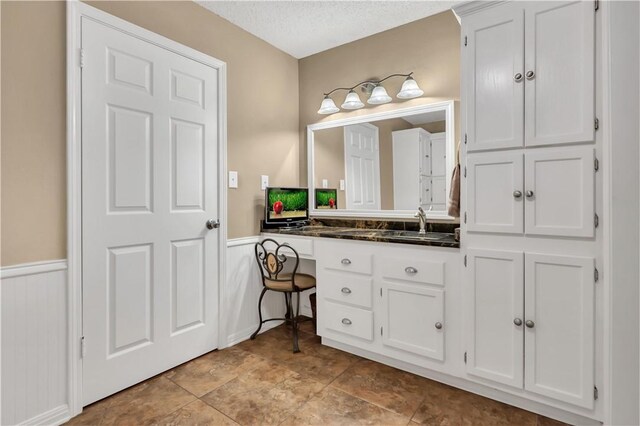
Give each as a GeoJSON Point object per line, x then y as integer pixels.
{"type": "Point", "coordinates": [302, 28]}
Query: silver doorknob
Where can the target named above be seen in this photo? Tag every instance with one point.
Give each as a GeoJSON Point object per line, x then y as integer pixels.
{"type": "Point", "coordinates": [529, 194]}
{"type": "Point", "coordinates": [439, 325]}
{"type": "Point", "coordinates": [517, 194]}
{"type": "Point", "coordinates": [530, 75]}
{"type": "Point", "coordinates": [517, 77]}
{"type": "Point", "coordinates": [517, 322]}
{"type": "Point", "coordinates": [529, 323]}
{"type": "Point", "coordinates": [346, 321]}
{"type": "Point", "coordinates": [213, 224]}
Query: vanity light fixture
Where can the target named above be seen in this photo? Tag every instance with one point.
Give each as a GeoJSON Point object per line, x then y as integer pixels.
{"type": "Point", "coordinates": [377, 96]}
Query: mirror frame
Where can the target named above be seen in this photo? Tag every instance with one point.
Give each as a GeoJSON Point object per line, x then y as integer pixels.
{"type": "Point", "coordinates": [446, 106]}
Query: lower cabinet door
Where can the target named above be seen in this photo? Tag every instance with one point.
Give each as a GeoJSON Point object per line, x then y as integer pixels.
{"type": "Point", "coordinates": [413, 317]}
{"type": "Point", "coordinates": [559, 331]}
{"type": "Point", "coordinates": [493, 305]}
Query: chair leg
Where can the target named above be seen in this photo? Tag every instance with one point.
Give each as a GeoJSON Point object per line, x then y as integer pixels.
{"type": "Point", "coordinates": [287, 314]}
{"type": "Point", "coordinates": [296, 348]}
{"type": "Point", "coordinates": [264, 290]}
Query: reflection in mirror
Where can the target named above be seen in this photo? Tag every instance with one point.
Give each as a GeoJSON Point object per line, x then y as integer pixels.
{"type": "Point", "coordinates": [394, 164]}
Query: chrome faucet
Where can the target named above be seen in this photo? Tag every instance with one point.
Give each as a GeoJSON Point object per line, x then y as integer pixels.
{"type": "Point", "coordinates": [422, 218]}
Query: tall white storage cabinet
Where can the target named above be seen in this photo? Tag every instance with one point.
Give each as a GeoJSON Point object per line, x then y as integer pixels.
{"type": "Point", "coordinates": [530, 187]}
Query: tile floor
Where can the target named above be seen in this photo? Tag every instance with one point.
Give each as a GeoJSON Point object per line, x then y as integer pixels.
{"type": "Point", "coordinates": [262, 382]}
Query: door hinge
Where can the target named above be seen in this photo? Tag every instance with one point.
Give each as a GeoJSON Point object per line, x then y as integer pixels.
{"type": "Point", "coordinates": [597, 5]}
{"type": "Point", "coordinates": [596, 164]}
{"type": "Point", "coordinates": [381, 331]}
{"type": "Point", "coordinates": [81, 58]}
{"type": "Point", "coordinates": [465, 171]}
{"type": "Point", "coordinates": [596, 123]}
{"type": "Point", "coordinates": [465, 217]}
{"type": "Point", "coordinates": [465, 40]}
{"type": "Point", "coordinates": [465, 357]}
{"type": "Point", "coordinates": [83, 347]}
{"type": "Point", "coordinates": [596, 220]}
{"type": "Point", "coordinates": [465, 138]}
{"type": "Point", "coordinates": [465, 260]}
{"type": "Point", "coordinates": [595, 392]}
{"type": "Point", "coordinates": [380, 291]}
{"type": "Point", "coordinates": [596, 274]}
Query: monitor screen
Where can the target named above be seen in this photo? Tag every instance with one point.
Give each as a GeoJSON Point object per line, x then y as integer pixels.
{"type": "Point", "coordinates": [326, 198]}
{"type": "Point", "coordinates": [285, 205]}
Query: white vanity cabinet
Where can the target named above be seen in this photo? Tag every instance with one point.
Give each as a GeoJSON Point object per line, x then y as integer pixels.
{"type": "Point", "coordinates": [529, 71]}
{"type": "Point", "coordinates": [530, 322]}
{"type": "Point", "coordinates": [388, 299]}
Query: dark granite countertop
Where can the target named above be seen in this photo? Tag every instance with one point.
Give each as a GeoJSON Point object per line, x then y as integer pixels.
{"type": "Point", "coordinates": [388, 232]}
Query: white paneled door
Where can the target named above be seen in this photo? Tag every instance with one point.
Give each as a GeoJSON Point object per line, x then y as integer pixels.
{"type": "Point", "coordinates": [362, 164]}
{"type": "Point", "coordinates": [149, 186]}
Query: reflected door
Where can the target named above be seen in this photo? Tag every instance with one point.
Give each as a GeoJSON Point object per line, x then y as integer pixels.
{"type": "Point", "coordinates": [362, 164]}
{"type": "Point", "coordinates": [149, 156]}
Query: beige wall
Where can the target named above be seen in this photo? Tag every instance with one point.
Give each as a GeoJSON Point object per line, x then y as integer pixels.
{"type": "Point", "coordinates": [429, 47]}
{"type": "Point", "coordinates": [263, 125]}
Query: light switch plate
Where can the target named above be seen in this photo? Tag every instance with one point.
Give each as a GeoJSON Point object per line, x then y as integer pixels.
{"type": "Point", "coordinates": [325, 183]}
{"type": "Point", "coordinates": [264, 182]}
{"type": "Point", "coordinates": [341, 184]}
{"type": "Point", "coordinates": [233, 179]}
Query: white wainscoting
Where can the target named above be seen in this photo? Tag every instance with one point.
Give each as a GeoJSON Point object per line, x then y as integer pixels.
{"type": "Point", "coordinates": [34, 343]}
{"type": "Point", "coordinates": [242, 291]}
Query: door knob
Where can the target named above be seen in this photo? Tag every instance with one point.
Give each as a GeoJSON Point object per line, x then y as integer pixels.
{"type": "Point", "coordinates": [517, 194]}
{"type": "Point", "coordinates": [530, 75]}
{"type": "Point", "coordinates": [212, 224]}
{"type": "Point", "coordinates": [529, 194]}
{"type": "Point", "coordinates": [517, 322]}
{"type": "Point", "coordinates": [529, 324]}
{"type": "Point", "coordinates": [518, 77]}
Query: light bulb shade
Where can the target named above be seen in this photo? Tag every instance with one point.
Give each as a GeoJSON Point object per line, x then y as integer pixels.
{"type": "Point", "coordinates": [410, 89]}
{"type": "Point", "coordinates": [328, 106]}
{"type": "Point", "coordinates": [352, 101]}
{"type": "Point", "coordinates": [379, 96]}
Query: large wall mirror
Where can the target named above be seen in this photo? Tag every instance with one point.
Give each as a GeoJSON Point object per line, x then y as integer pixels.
{"type": "Point", "coordinates": [383, 165]}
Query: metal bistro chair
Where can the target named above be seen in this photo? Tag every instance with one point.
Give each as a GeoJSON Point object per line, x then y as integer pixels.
{"type": "Point", "coordinates": [271, 261]}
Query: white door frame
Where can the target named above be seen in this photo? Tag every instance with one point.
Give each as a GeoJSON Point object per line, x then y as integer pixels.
{"type": "Point", "coordinates": [75, 12]}
{"type": "Point", "coordinates": [346, 163]}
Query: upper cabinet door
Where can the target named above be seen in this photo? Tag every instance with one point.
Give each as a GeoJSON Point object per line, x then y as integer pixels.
{"type": "Point", "coordinates": [559, 194]}
{"type": "Point", "coordinates": [559, 327]}
{"type": "Point", "coordinates": [495, 83]}
{"type": "Point", "coordinates": [559, 72]}
{"type": "Point", "coordinates": [493, 306]}
{"type": "Point", "coordinates": [495, 192]}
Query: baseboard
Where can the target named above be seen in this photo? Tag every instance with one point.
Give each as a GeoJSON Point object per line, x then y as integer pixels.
{"type": "Point", "coordinates": [33, 268]}
{"type": "Point", "coordinates": [245, 334]}
{"type": "Point", "coordinates": [234, 242]}
{"type": "Point", "coordinates": [55, 416]}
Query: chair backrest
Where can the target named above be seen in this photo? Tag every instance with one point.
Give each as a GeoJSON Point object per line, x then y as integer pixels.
{"type": "Point", "coordinates": [272, 258]}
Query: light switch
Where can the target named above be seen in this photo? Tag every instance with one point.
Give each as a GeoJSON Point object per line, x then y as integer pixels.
{"type": "Point", "coordinates": [264, 182]}
{"type": "Point", "coordinates": [341, 184]}
{"type": "Point", "coordinates": [325, 183]}
{"type": "Point", "coordinates": [233, 179]}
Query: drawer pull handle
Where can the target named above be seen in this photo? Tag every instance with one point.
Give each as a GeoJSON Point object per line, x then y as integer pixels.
{"type": "Point", "coordinates": [529, 324]}
{"type": "Point", "coordinates": [346, 261]}
{"type": "Point", "coordinates": [410, 270]}
{"type": "Point", "coordinates": [517, 322]}
{"type": "Point", "coordinates": [346, 290]}
{"type": "Point", "coordinates": [439, 325]}
{"type": "Point", "coordinates": [346, 321]}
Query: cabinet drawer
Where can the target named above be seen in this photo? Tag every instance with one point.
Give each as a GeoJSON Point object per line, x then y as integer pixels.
{"type": "Point", "coordinates": [347, 288]}
{"type": "Point", "coordinates": [348, 320]}
{"type": "Point", "coordinates": [347, 260]}
{"type": "Point", "coordinates": [304, 246]}
{"type": "Point", "coordinates": [420, 271]}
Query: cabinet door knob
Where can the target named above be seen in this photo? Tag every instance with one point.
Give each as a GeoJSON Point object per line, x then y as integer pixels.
{"type": "Point", "coordinates": [517, 77]}
{"type": "Point", "coordinates": [346, 321]}
{"type": "Point", "coordinates": [530, 75]}
{"type": "Point", "coordinates": [346, 261]}
{"type": "Point", "coordinates": [517, 322]}
{"type": "Point", "coordinates": [439, 325]}
{"type": "Point", "coordinates": [529, 323]}
{"type": "Point", "coordinates": [410, 270]}
{"type": "Point", "coordinates": [529, 194]}
{"type": "Point", "coordinates": [517, 194]}
{"type": "Point", "coordinates": [346, 290]}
